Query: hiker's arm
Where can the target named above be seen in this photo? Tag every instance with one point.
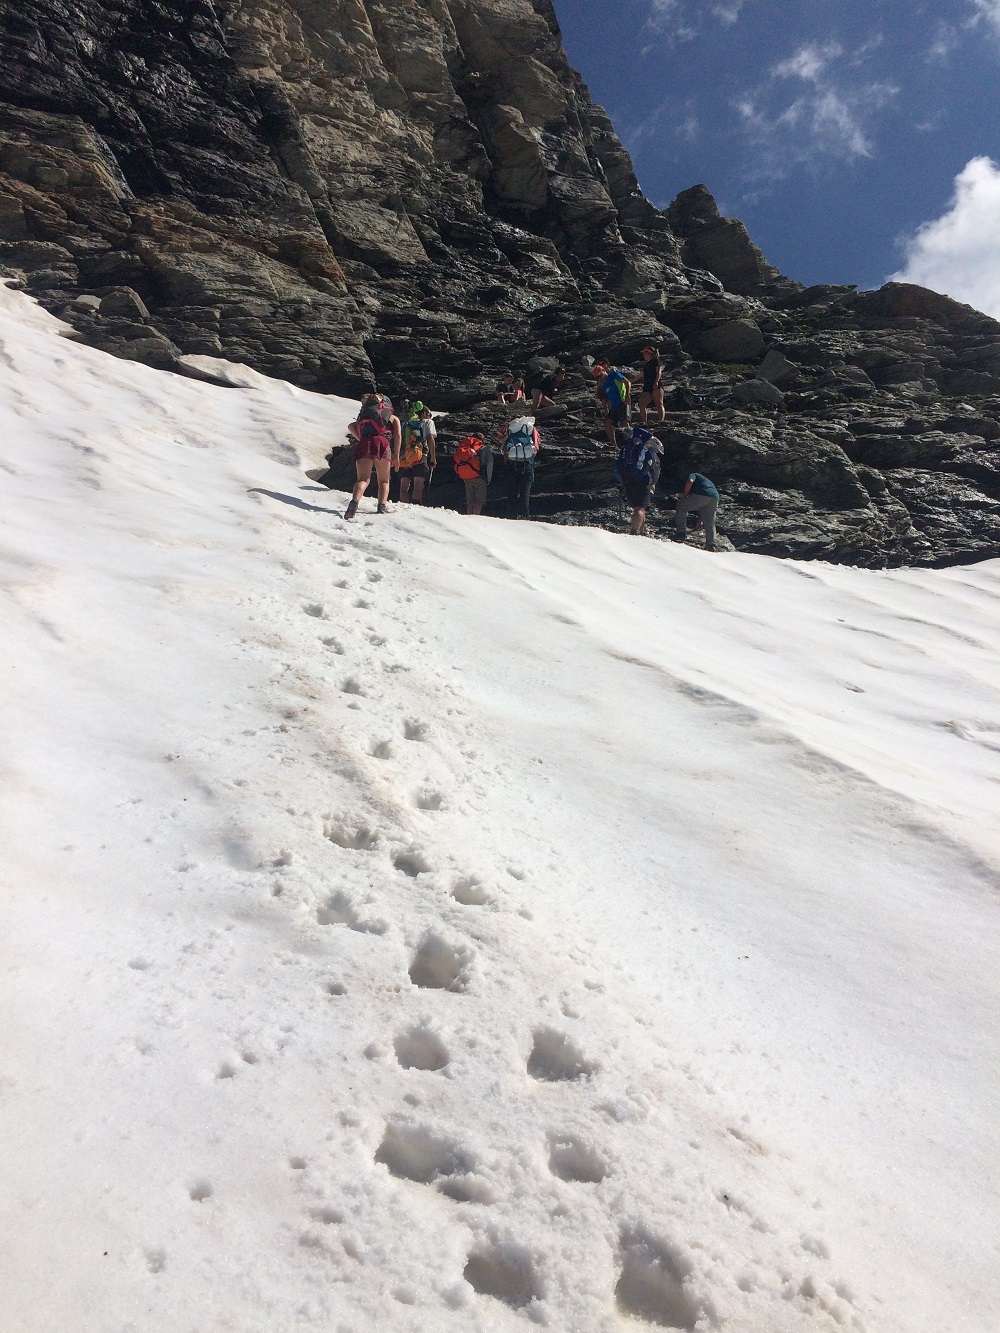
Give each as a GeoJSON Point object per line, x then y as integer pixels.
{"type": "Point", "coordinates": [397, 441]}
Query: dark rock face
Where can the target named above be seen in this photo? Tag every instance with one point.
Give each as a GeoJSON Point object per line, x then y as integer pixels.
{"type": "Point", "coordinates": [422, 192]}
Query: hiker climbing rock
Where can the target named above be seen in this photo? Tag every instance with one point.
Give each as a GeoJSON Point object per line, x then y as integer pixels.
{"type": "Point", "coordinates": [637, 471]}
{"type": "Point", "coordinates": [474, 466]}
{"type": "Point", "coordinates": [613, 392]}
{"type": "Point", "coordinates": [700, 498]}
{"type": "Point", "coordinates": [520, 446]}
{"type": "Point", "coordinates": [545, 391]}
{"type": "Point", "coordinates": [379, 436]}
{"type": "Point", "coordinates": [417, 455]}
{"type": "Point", "coordinates": [652, 386]}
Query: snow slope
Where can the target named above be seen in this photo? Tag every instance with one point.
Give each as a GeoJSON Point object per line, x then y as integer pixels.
{"type": "Point", "coordinates": [437, 923]}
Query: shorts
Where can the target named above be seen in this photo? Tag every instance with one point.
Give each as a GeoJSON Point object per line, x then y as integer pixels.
{"type": "Point", "coordinates": [638, 492]}
{"type": "Point", "coordinates": [475, 491]}
{"type": "Point", "coordinates": [422, 469]}
{"type": "Point", "coordinates": [617, 413]}
{"type": "Point", "coordinates": [375, 449]}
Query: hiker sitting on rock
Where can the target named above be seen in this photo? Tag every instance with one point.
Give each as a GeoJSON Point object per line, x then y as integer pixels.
{"type": "Point", "coordinates": [613, 392]}
{"type": "Point", "coordinates": [638, 471]}
{"type": "Point", "coordinates": [505, 388]}
{"type": "Point", "coordinates": [700, 498]}
{"type": "Point", "coordinates": [545, 391]}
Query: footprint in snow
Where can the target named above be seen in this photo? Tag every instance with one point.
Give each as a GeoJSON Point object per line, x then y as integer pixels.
{"type": "Point", "coordinates": [315, 609]}
{"type": "Point", "coordinates": [572, 1160]}
{"type": "Point", "coordinates": [338, 910]}
{"type": "Point", "coordinates": [353, 838]}
{"type": "Point", "coordinates": [438, 965]}
{"type": "Point", "coordinates": [413, 1152]}
{"type": "Point", "coordinates": [415, 730]}
{"type": "Point", "coordinates": [505, 1273]}
{"type": "Point", "coordinates": [412, 863]}
{"type": "Point", "coordinates": [420, 1048]}
{"type": "Point", "coordinates": [469, 891]}
{"type": "Point", "coordinates": [555, 1058]}
{"type": "Point", "coordinates": [381, 750]}
{"type": "Point", "coordinates": [651, 1284]}
{"type": "Point", "coordinates": [425, 799]}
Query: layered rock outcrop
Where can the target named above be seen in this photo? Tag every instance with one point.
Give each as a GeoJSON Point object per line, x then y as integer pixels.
{"type": "Point", "coordinates": [422, 192]}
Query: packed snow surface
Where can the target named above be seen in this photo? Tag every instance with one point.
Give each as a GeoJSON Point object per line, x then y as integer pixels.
{"type": "Point", "coordinates": [440, 923]}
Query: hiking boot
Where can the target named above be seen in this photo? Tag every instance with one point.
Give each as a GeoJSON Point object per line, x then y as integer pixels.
{"type": "Point", "coordinates": [383, 509]}
{"type": "Point", "coordinates": [352, 509]}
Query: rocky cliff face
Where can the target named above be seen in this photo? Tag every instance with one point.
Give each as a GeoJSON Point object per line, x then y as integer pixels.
{"type": "Point", "coordinates": [422, 192]}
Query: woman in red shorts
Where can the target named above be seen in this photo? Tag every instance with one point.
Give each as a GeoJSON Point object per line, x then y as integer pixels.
{"type": "Point", "coordinates": [379, 435]}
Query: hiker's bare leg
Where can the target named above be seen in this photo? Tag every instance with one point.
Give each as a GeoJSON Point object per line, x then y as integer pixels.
{"type": "Point", "coordinates": [609, 429]}
{"type": "Point", "coordinates": [644, 401]}
{"type": "Point", "coordinates": [383, 470]}
{"type": "Point", "coordinates": [404, 490]}
{"type": "Point", "coordinates": [418, 490]}
{"type": "Point", "coordinates": [659, 404]}
{"type": "Point", "coordinates": [363, 467]}
{"type": "Point", "coordinates": [638, 520]}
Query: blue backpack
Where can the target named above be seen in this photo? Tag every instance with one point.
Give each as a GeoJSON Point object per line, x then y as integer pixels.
{"type": "Point", "coordinates": [520, 446]}
{"type": "Point", "coordinates": [636, 458]}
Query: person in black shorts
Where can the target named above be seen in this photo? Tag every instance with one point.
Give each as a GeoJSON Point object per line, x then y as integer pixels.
{"type": "Point", "coordinates": [638, 486]}
{"type": "Point", "coordinates": [544, 393]}
{"type": "Point", "coordinates": [652, 387]}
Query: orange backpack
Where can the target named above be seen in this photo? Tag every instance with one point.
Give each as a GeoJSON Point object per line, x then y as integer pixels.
{"type": "Point", "coordinates": [468, 463]}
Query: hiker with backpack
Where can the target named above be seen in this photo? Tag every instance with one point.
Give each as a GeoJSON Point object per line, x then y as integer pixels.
{"type": "Point", "coordinates": [474, 466]}
{"type": "Point", "coordinates": [637, 472]}
{"type": "Point", "coordinates": [652, 386]}
{"type": "Point", "coordinates": [379, 436]}
{"type": "Point", "coordinates": [700, 498]}
{"type": "Point", "coordinates": [417, 455]}
{"type": "Point", "coordinates": [521, 444]}
{"type": "Point", "coordinates": [613, 393]}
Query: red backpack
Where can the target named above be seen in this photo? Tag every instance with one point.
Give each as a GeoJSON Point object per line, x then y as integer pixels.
{"type": "Point", "coordinates": [375, 422]}
{"type": "Point", "coordinates": [468, 463]}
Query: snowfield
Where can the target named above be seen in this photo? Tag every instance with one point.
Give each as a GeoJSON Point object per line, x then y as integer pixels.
{"type": "Point", "coordinates": [431, 923]}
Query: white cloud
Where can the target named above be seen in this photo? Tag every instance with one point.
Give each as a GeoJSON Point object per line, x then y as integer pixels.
{"type": "Point", "coordinates": [682, 20]}
{"type": "Point", "coordinates": [959, 253]}
{"type": "Point", "coordinates": [826, 117]}
{"type": "Point", "coordinates": [988, 12]}
{"type": "Point", "coordinates": [809, 62]}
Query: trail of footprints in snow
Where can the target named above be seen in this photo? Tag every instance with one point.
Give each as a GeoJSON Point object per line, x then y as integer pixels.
{"type": "Point", "coordinates": [651, 1284]}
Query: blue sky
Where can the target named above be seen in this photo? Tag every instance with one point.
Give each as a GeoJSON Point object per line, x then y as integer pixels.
{"type": "Point", "coordinates": [837, 130]}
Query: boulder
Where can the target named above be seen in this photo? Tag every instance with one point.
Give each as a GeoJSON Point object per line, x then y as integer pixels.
{"type": "Point", "coordinates": [777, 368]}
{"type": "Point", "coordinates": [758, 391]}
{"type": "Point", "coordinates": [738, 340]}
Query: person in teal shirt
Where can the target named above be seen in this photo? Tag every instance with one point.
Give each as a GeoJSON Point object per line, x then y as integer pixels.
{"type": "Point", "coordinates": [700, 498]}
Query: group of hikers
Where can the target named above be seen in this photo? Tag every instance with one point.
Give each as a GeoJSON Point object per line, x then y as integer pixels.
{"type": "Point", "coordinates": [384, 442]}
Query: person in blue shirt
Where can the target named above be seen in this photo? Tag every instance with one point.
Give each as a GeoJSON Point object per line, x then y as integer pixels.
{"type": "Point", "coordinates": [700, 498]}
